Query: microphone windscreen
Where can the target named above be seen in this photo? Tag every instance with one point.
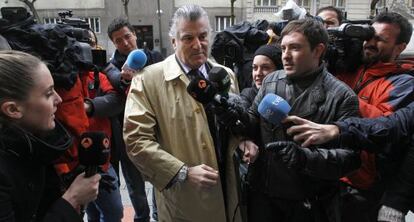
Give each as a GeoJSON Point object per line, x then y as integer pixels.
{"type": "Point", "coordinates": [220, 79]}
{"type": "Point", "coordinates": [201, 90]}
{"type": "Point", "coordinates": [94, 148]}
{"type": "Point", "coordinates": [274, 108]}
{"type": "Point", "coordinates": [136, 60]}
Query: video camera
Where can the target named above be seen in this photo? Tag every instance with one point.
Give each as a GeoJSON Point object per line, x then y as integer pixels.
{"type": "Point", "coordinates": [63, 46]}
{"type": "Point", "coordinates": [345, 45]}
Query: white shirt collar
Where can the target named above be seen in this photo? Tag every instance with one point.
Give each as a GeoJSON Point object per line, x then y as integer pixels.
{"type": "Point", "coordinates": [201, 69]}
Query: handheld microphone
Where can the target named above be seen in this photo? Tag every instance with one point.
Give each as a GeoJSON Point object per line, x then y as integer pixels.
{"type": "Point", "coordinates": [136, 60]}
{"type": "Point", "coordinates": [93, 151]}
{"type": "Point", "coordinates": [274, 108]}
{"type": "Point", "coordinates": [220, 79]}
{"type": "Point", "coordinates": [201, 90]}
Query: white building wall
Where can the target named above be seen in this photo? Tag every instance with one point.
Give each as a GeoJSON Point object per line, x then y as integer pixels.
{"type": "Point", "coordinates": [69, 4]}
{"type": "Point", "coordinates": [209, 3]}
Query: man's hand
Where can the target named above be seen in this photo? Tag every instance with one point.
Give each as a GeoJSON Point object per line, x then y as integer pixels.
{"type": "Point", "coordinates": [127, 74]}
{"type": "Point", "coordinates": [309, 133]}
{"type": "Point", "coordinates": [202, 176]}
{"type": "Point", "coordinates": [289, 152]}
{"type": "Point", "coordinates": [250, 151]}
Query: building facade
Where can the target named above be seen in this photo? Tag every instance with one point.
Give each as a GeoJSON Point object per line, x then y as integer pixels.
{"type": "Point", "coordinates": [152, 21]}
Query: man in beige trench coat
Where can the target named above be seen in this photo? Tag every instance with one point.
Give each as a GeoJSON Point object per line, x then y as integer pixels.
{"type": "Point", "coordinates": [167, 133]}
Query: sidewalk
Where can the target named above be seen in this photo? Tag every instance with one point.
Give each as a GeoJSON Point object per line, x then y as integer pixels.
{"type": "Point", "coordinates": [128, 209]}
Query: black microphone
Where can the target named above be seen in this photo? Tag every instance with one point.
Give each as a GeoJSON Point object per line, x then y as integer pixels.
{"type": "Point", "coordinates": [93, 151]}
{"type": "Point", "coordinates": [220, 79]}
{"type": "Point", "coordinates": [201, 90]}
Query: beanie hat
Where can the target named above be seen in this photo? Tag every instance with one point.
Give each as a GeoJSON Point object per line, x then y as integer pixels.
{"type": "Point", "coordinates": [272, 52]}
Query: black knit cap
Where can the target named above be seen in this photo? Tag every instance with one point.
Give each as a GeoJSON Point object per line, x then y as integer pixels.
{"type": "Point", "coordinates": [272, 52]}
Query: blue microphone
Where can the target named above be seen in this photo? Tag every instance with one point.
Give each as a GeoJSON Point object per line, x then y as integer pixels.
{"type": "Point", "coordinates": [274, 108]}
{"type": "Point", "coordinates": [136, 60]}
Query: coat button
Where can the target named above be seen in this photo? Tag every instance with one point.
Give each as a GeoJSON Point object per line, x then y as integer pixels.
{"type": "Point", "coordinates": [204, 145]}
{"type": "Point", "coordinates": [197, 110]}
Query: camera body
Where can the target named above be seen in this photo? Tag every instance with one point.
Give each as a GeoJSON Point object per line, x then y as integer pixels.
{"type": "Point", "coordinates": [344, 48]}
{"type": "Point", "coordinates": [63, 46]}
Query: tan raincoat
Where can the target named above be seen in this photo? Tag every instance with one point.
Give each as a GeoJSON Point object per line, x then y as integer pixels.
{"type": "Point", "coordinates": [166, 128]}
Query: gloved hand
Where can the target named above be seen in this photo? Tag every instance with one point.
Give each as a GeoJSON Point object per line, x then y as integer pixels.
{"type": "Point", "coordinates": [107, 183]}
{"type": "Point", "coordinates": [229, 115]}
{"type": "Point", "coordinates": [289, 152]}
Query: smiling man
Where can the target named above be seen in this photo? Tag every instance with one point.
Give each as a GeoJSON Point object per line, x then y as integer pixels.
{"type": "Point", "coordinates": [172, 138]}
{"type": "Point", "coordinates": [292, 183]}
{"type": "Point", "coordinates": [383, 85]}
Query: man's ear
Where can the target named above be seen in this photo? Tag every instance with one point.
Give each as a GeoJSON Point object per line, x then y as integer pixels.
{"type": "Point", "coordinates": [319, 50]}
{"type": "Point", "coordinates": [399, 48]}
{"type": "Point", "coordinates": [12, 109]}
{"type": "Point", "coordinates": [173, 43]}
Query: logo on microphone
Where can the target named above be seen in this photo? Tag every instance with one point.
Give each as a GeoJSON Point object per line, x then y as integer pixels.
{"type": "Point", "coordinates": [105, 143]}
{"type": "Point", "coordinates": [202, 84]}
{"type": "Point", "coordinates": [277, 101]}
{"type": "Point", "coordinates": [86, 142]}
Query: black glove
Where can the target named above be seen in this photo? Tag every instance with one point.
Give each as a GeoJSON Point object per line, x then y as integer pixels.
{"type": "Point", "coordinates": [289, 152]}
{"type": "Point", "coordinates": [107, 183]}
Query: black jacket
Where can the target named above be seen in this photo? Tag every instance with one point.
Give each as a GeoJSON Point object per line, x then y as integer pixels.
{"type": "Point", "coordinates": [391, 138]}
{"type": "Point", "coordinates": [23, 161]}
{"type": "Point", "coordinates": [316, 96]}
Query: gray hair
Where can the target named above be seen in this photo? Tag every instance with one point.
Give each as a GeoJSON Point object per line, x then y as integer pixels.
{"type": "Point", "coordinates": [187, 13]}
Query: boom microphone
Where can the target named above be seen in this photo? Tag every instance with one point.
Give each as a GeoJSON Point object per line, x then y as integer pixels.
{"type": "Point", "coordinates": [274, 108]}
{"type": "Point", "coordinates": [93, 151]}
{"type": "Point", "coordinates": [136, 60]}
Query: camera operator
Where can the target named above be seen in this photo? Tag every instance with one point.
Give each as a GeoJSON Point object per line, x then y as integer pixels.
{"type": "Point", "coordinates": [390, 135]}
{"type": "Point", "coordinates": [383, 86]}
{"type": "Point", "coordinates": [289, 183]}
{"type": "Point", "coordinates": [331, 16]}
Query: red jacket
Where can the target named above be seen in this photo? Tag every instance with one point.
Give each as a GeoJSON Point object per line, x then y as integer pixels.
{"type": "Point", "coordinates": [72, 114]}
{"type": "Point", "coordinates": [381, 88]}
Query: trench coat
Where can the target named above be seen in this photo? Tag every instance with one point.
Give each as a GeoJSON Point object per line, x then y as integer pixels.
{"type": "Point", "coordinates": [165, 128]}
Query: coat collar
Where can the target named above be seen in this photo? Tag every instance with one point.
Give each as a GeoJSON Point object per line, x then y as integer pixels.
{"type": "Point", "coordinates": [308, 103]}
{"type": "Point", "coordinates": [172, 69]}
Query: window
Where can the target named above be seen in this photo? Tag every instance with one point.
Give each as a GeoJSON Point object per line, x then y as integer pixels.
{"type": "Point", "coordinates": [266, 2]}
{"type": "Point", "coordinates": [304, 3]}
{"type": "Point", "coordinates": [412, 6]}
{"type": "Point", "coordinates": [222, 22]}
{"type": "Point", "coordinates": [51, 20]}
{"type": "Point", "coordinates": [94, 22]}
{"type": "Point", "coordinates": [339, 3]}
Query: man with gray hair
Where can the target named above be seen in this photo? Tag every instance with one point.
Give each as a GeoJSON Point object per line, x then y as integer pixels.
{"type": "Point", "coordinates": [172, 139]}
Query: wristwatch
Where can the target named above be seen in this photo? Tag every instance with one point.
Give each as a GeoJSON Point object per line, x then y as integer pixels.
{"type": "Point", "coordinates": [182, 174]}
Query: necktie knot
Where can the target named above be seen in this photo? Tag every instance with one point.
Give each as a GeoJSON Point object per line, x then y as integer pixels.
{"type": "Point", "coordinates": [194, 73]}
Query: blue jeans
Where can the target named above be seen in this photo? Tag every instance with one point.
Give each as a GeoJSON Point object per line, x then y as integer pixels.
{"type": "Point", "coordinates": [108, 206]}
{"type": "Point", "coordinates": [136, 188]}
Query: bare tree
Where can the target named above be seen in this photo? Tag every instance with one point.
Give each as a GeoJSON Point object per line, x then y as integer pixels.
{"type": "Point", "coordinates": [30, 4]}
{"type": "Point", "coordinates": [125, 4]}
